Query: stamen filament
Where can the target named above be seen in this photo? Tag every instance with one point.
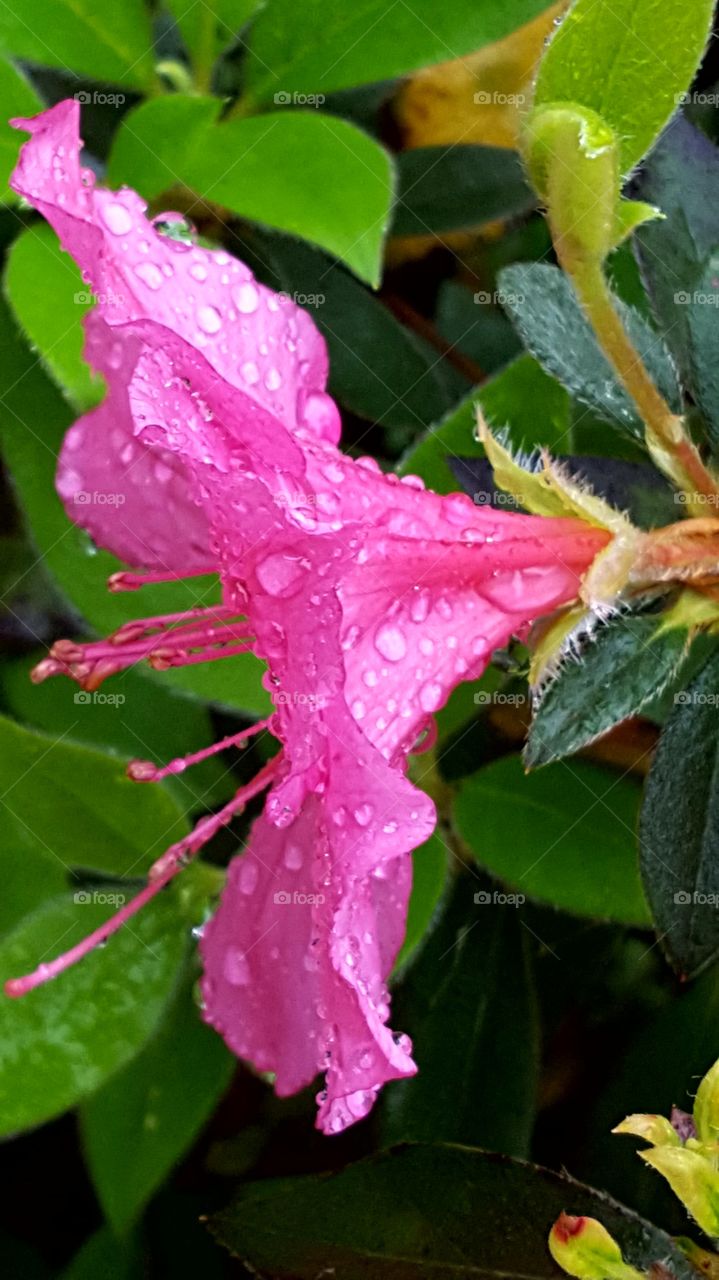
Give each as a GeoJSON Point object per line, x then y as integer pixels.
{"type": "Point", "coordinates": [146, 771]}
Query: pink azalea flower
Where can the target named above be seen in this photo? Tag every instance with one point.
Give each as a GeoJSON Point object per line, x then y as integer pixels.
{"type": "Point", "coordinates": [369, 599]}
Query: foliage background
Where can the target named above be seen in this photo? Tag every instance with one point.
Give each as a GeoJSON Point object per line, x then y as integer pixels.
{"type": "Point", "coordinates": [360, 157]}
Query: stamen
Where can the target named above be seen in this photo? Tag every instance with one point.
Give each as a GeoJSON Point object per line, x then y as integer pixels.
{"type": "Point", "coordinates": [146, 771]}
{"type": "Point", "coordinates": [126, 581]}
{"type": "Point", "coordinates": [160, 874]}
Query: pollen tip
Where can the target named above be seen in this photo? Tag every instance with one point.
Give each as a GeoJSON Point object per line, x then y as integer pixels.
{"type": "Point", "coordinates": [142, 771]}
{"type": "Point", "coordinates": [15, 987]}
{"type": "Point", "coordinates": [120, 581]}
{"type": "Point", "coordinates": [47, 667]}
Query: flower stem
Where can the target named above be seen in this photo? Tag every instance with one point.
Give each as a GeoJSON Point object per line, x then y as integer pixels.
{"type": "Point", "coordinates": [667, 440]}
{"type": "Point", "coordinates": [205, 54]}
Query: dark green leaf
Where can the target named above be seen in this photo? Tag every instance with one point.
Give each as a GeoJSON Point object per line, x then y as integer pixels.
{"type": "Point", "coordinates": [429, 876]}
{"type": "Point", "coordinates": [618, 671]}
{"type": "Point", "coordinates": [547, 314]}
{"type": "Point", "coordinates": [378, 369]}
{"type": "Point", "coordinates": [224, 18]}
{"type": "Point", "coordinates": [49, 298]}
{"type": "Point", "coordinates": [682, 178]}
{"type": "Point", "coordinates": [702, 306]}
{"type": "Point", "coordinates": [426, 1213]}
{"type": "Point", "coordinates": [63, 1039]}
{"type": "Point", "coordinates": [103, 1255]}
{"type": "Point", "coordinates": [680, 826]}
{"type": "Point", "coordinates": [268, 169]}
{"type": "Point", "coordinates": [469, 1001]}
{"type": "Point", "coordinates": [111, 44]}
{"type": "Point", "coordinates": [78, 806]}
{"type": "Point", "coordinates": [565, 836]}
{"type": "Point", "coordinates": [522, 397]}
{"type": "Point", "coordinates": [142, 1121]}
{"type": "Point", "coordinates": [627, 62]}
{"type": "Point", "coordinates": [324, 45]}
{"type": "Point", "coordinates": [29, 874]}
{"type": "Point", "coordinates": [17, 98]}
{"type": "Point", "coordinates": [446, 188]}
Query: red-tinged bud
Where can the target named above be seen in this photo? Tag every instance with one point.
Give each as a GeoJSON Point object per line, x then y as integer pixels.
{"type": "Point", "coordinates": [585, 1249]}
{"type": "Point", "coordinates": [142, 771]}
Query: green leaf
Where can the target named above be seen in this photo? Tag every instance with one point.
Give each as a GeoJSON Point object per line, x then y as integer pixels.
{"type": "Point", "coordinates": [78, 807]}
{"type": "Point", "coordinates": [226, 19]}
{"type": "Point", "coordinates": [17, 98]}
{"type": "Point", "coordinates": [268, 169]}
{"type": "Point", "coordinates": [544, 307]}
{"type": "Point", "coordinates": [470, 986]}
{"type": "Point", "coordinates": [33, 421]}
{"type": "Point", "coordinates": [378, 369]}
{"type": "Point", "coordinates": [619, 670]}
{"type": "Point", "coordinates": [565, 836]}
{"type": "Point", "coordinates": [522, 397]}
{"type": "Point", "coordinates": [49, 299]}
{"type": "Point", "coordinates": [152, 722]}
{"type": "Point", "coordinates": [63, 1039]}
{"type": "Point", "coordinates": [628, 62]}
{"type": "Point", "coordinates": [702, 321]}
{"type": "Point", "coordinates": [323, 45]}
{"type": "Point", "coordinates": [448, 188]}
{"type": "Point", "coordinates": [679, 835]}
{"type": "Point", "coordinates": [112, 45]}
{"type": "Point", "coordinates": [29, 875]}
{"type": "Point", "coordinates": [104, 1255]}
{"type": "Point", "coordinates": [142, 1121]}
{"type": "Point", "coordinates": [431, 1212]}
{"type": "Point", "coordinates": [429, 877]}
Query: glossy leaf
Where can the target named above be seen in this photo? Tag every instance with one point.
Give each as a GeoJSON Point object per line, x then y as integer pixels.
{"type": "Point", "coordinates": [141, 1122]}
{"type": "Point", "coordinates": [77, 805]}
{"type": "Point", "coordinates": [470, 988]}
{"type": "Point", "coordinates": [429, 878]}
{"type": "Point", "coordinates": [620, 669]}
{"type": "Point", "coordinates": [378, 369]}
{"type": "Point", "coordinates": [566, 836]}
{"type": "Point", "coordinates": [680, 826]}
{"type": "Point", "coordinates": [109, 44]}
{"type": "Point", "coordinates": [522, 397]}
{"type": "Point", "coordinates": [62, 1040]}
{"type": "Point", "coordinates": [17, 98]}
{"type": "Point", "coordinates": [547, 314]}
{"type": "Point", "coordinates": [211, 27]}
{"type": "Point", "coordinates": [447, 188]}
{"type": "Point", "coordinates": [627, 62]}
{"type": "Point", "coordinates": [29, 874]}
{"type": "Point", "coordinates": [424, 1211]}
{"type": "Point", "coordinates": [49, 299]}
{"type": "Point", "coordinates": [325, 46]}
{"type": "Point", "coordinates": [269, 169]}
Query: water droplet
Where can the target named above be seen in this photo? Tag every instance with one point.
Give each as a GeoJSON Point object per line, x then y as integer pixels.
{"type": "Point", "coordinates": [246, 297]}
{"type": "Point", "coordinates": [273, 379]}
{"type": "Point", "coordinates": [250, 372]}
{"type": "Point", "coordinates": [249, 875]}
{"type": "Point", "coordinates": [293, 857]}
{"type": "Point", "coordinates": [117, 218]}
{"type": "Point", "coordinates": [281, 575]}
{"type": "Point", "coordinates": [236, 968]}
{"type": "Point", "coordinates": [430, 696]}
{"type": "Point", "coordinates": [198, 271]}
{"type": "Point", "coordinates": [363, 814]}
{"type": "Point", "coordinates": [358, 709]}
{"type": "Point", "coordinates": [390, 642]}
{"type": "Point", "coordinates": [209, 319]}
